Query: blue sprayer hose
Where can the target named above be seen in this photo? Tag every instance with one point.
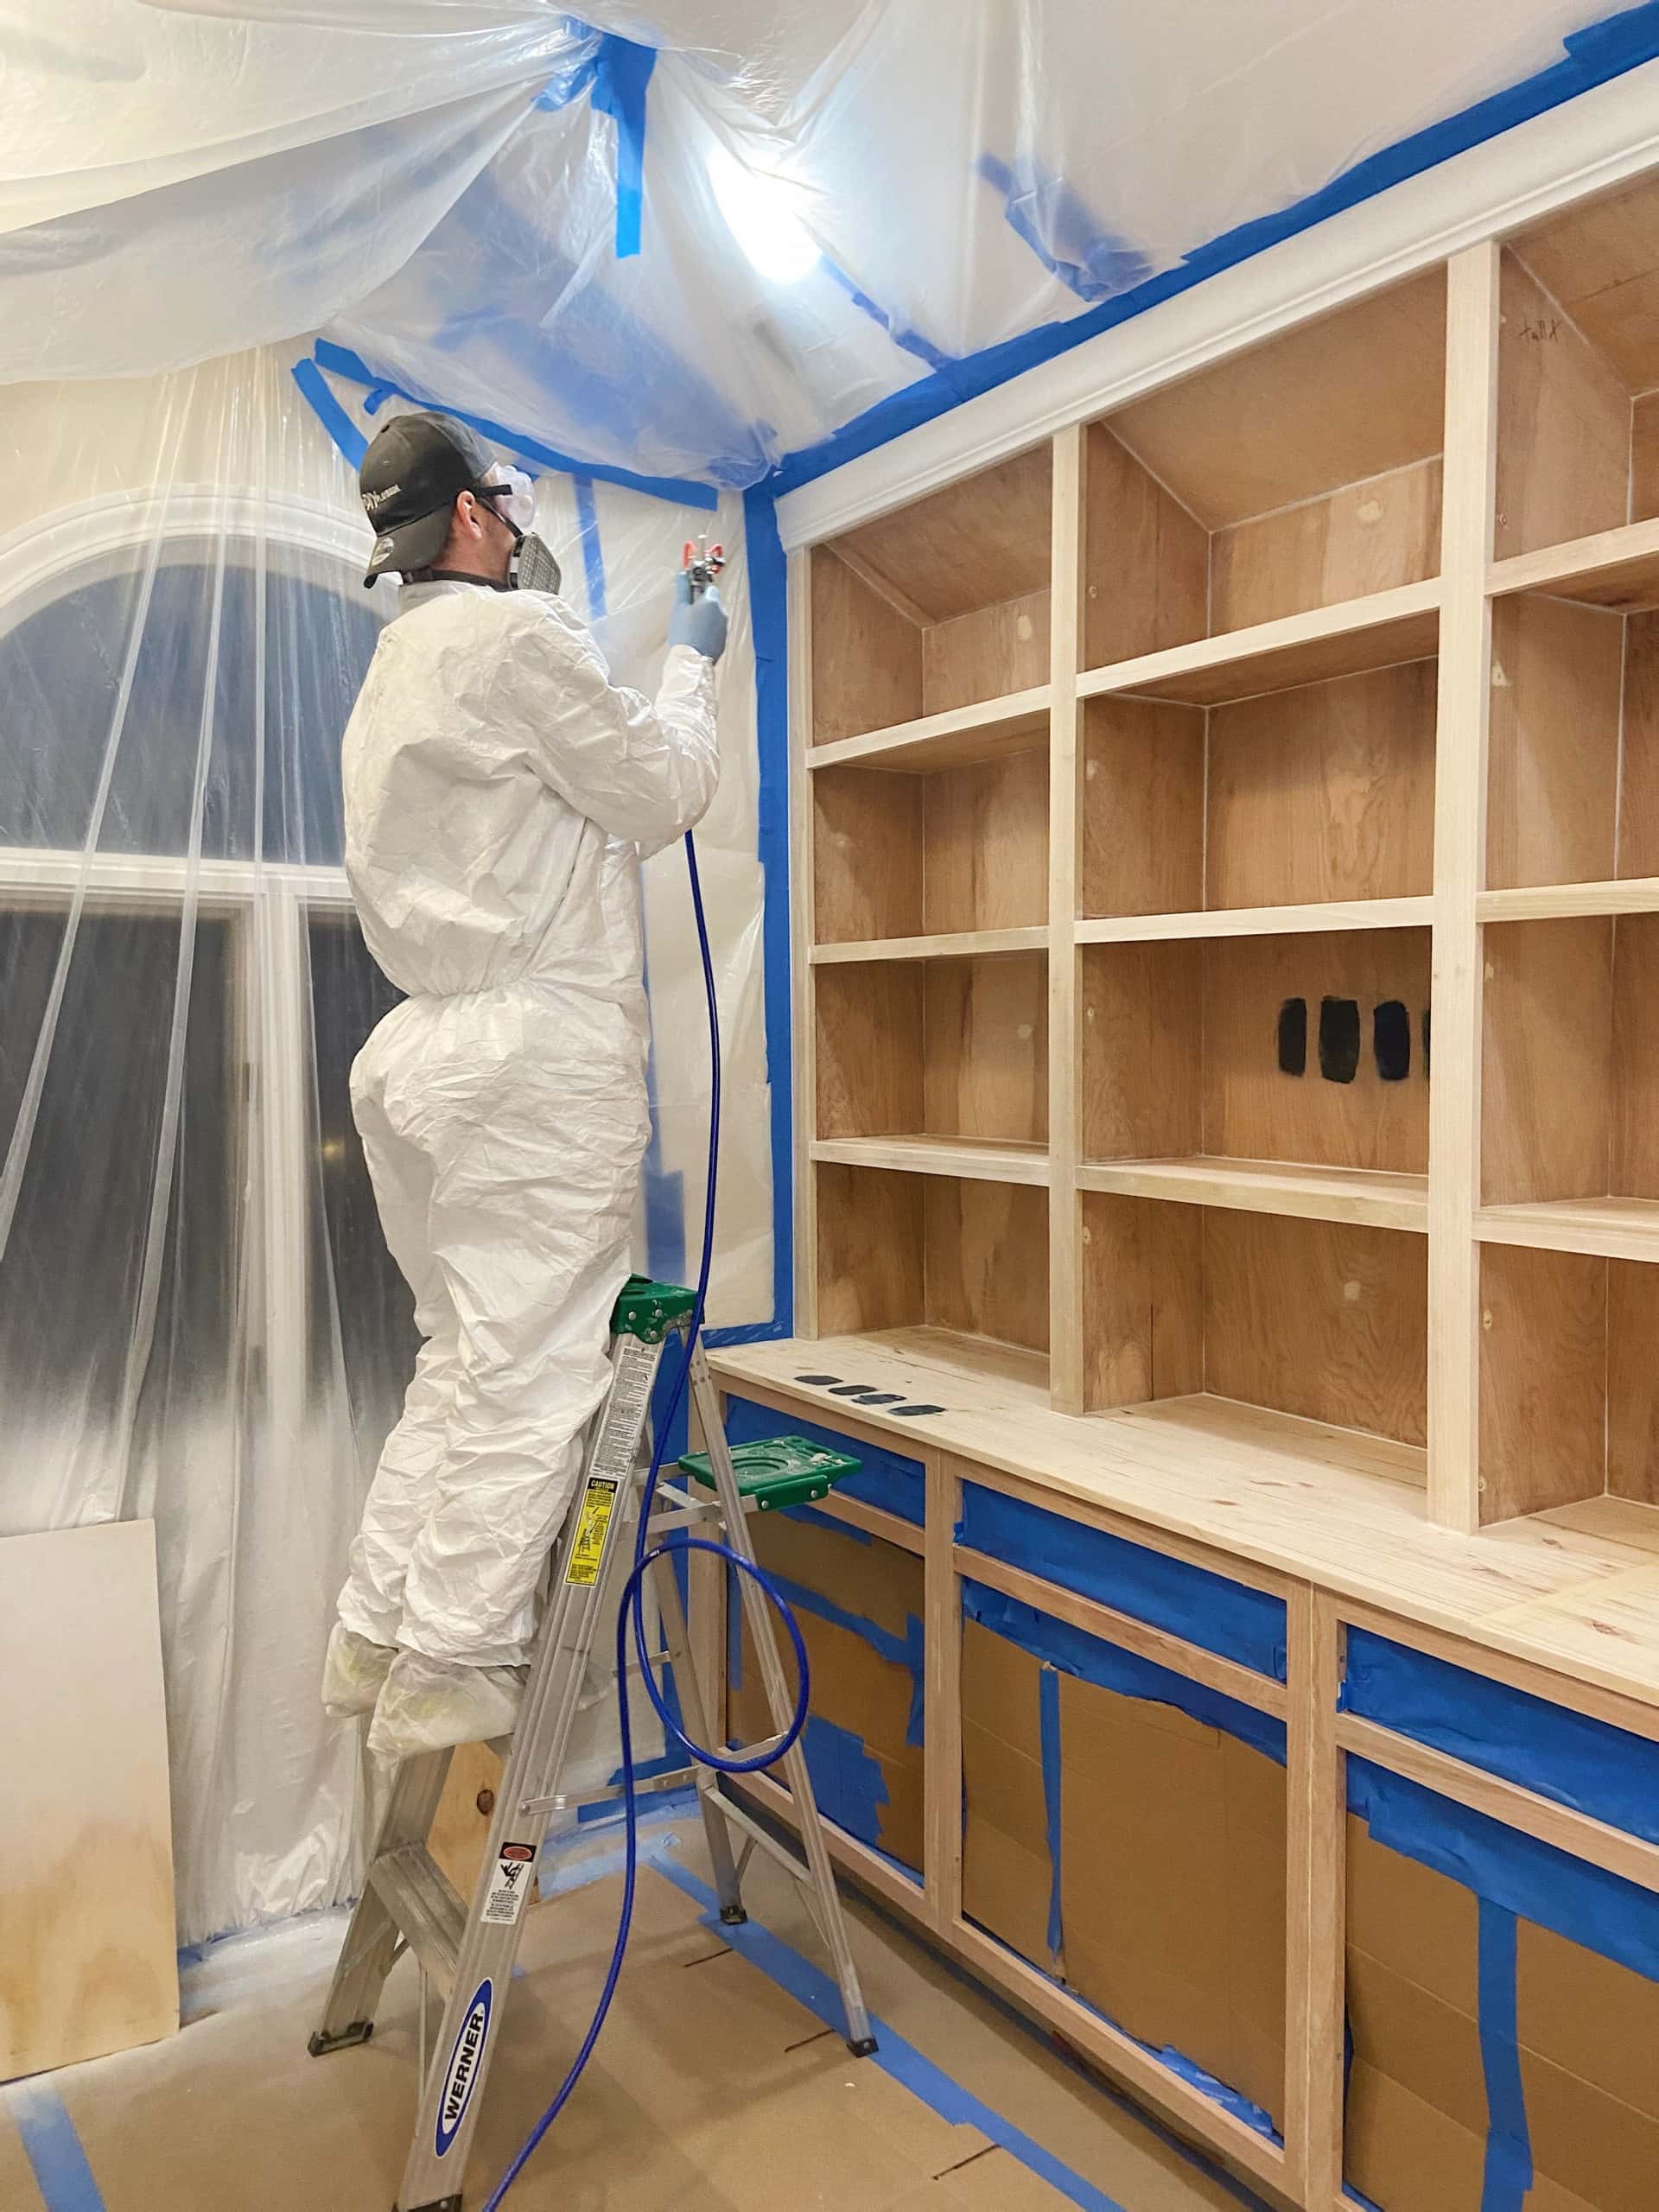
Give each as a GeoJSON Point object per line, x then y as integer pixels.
{"type": "Point", "coordinates": [633, 1602]}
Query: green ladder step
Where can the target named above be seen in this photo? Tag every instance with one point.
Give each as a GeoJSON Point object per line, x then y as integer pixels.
{"type": "Point", "coordinates": [649, 1310]}
{"type": "Point", "coordinates": [780, 1471]}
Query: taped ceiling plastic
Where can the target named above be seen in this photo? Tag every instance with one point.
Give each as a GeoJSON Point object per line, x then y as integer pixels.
{"type": "Point", "coordinates": [839, 199]}
{"type": "Point", "coordinates": [681, 240]}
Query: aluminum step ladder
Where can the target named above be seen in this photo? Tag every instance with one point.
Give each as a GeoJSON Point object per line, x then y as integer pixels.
{"type": "Point", "coordinates": [468, 1949]}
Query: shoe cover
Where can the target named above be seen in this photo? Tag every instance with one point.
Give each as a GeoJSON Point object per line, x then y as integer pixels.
{"type": "Point", "coordinates": [428, 1705]}
{"type": "Point", "coordinates": [352, 1672]}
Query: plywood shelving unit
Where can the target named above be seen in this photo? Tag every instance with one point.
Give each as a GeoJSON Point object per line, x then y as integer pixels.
{"type": "Point", "coordinates": [1160, 778]}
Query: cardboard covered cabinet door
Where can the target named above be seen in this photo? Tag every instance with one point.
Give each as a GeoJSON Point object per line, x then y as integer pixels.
{"type": "Point", "coordinates": [88, 1962]}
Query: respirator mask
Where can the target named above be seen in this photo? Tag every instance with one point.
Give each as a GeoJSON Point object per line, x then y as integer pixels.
{"type": "Point", "coordinates": [533, 567]}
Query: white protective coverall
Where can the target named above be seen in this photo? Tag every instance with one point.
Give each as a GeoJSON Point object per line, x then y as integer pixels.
{"type": "Point", "coordinates": [499, 793]}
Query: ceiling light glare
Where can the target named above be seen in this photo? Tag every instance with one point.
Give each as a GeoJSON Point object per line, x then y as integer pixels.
{"type": "Point", "coordinates": [759, 212]}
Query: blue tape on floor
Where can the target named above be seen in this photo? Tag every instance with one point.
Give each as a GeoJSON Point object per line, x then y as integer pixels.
{"type": "Point", "coordinates": [900, 2060]}
{"type": "Point", "coordinates": [1074, 1652]}
{"type": "Point", "coordinates": [1226, 1618]}
{"type": "Point", "coordinates": [769, 620]}
{"type": "Point", "coordinates": [884, 1478]}
{"type": "Point", "coordinates": [53, 2148]}
{"type": "Point", "coordinates": [1048, 1720]}
{"type": "Point", "coordinates": [1586, 1763]}
{"type": "Point", "coordinates": [1535, 1880]}
{"type": "Point", "coordinates": [1509, 2148]}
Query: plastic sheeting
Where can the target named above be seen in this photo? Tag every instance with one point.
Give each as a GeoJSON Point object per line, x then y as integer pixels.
{"type": "Point", "coordinates": [838, 199]}
{"type": "Point", "coordinates": [198, 1322]}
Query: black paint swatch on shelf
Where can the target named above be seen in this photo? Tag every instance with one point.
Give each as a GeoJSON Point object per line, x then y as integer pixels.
{"type": "Point", "coordinates": [876, 1397]}
{"type": "Point", "coordinates": [1338, 1039]}
{"type": "Point", "coordinates": [1391, 1040]}
{"type": "Point", "coordinates": [908, 1410]}
{"type": "Point", "coordinates": [1293, 1037]}
{"type": "Point", "coordinates": [818, 1382]}
{"type": "Point", "coordinates": [849, 1390]}
{"type": "Point", "coordinates": [1426, 1012]}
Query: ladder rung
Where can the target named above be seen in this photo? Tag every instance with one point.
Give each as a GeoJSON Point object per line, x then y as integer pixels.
{"type": "Point", "coordinates": [419, 1896]}
{"type": "Point", "coordinates": [611, 1792]}
{"type": "Point", "coordinates": [761, 1838]}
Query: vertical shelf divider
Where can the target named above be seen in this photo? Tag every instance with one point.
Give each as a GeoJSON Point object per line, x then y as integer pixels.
{"type": "Point", "coordinates": [1464, 707]}
{"type": "Point", "coordinates": [802, 938]}
{"type": "Point", "coordinates": [1064, 840]}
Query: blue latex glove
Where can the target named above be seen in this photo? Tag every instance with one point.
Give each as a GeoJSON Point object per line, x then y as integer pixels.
{"type": "Point", "coordinates": [699, 623]}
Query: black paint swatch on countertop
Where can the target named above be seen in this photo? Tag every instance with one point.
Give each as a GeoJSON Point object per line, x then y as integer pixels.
{"type": "Point", "coordinates": [1338, 1039]}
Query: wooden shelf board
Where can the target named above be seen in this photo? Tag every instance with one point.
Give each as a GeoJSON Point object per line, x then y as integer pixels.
{"type": "Point", "coordinates": [956, 945]}
{"type": "Point", "coordinates": [1378, 632]}
{"type": "Point", "coordinates": [979, 1159]}
{"type": "Point", "coordinates": [1618, 1229]}
{"type": "Point", "coordinates": [1377, 1200]}
{"type": "Point", "coordinates": [1261, 921]}
{"type": "Point", "coordinates": [1013, 724]}
{"type": "Point", "coordinates": [1328, 1505]}
{"type": "Point", "coordinates": [1615, 568]}
{"type": "Point", "coordinates": [1635, 894]}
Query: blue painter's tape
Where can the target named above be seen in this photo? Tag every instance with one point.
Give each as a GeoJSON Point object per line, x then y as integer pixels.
{"type": "Point", "coordinates": [849, 1783]}
{"type": "Point", "coordinates": [1508, 2147]}
{"type": "Point", "coordinates": [733, 1632]}
{"type": "Point", "coordinates": [1064, 235]}
{"type": "Point", "coordinates": [911, 341]}
{"type": "Point", "coordinates": [813, 1988]}
{"type": "Point", "coordinates": [1586, 1763]}
{"type": "Point", "coordinates": [53, 2148]}
{"type": "Point", "coordinates": [769, 618]}
{"type": "Point", "coordinates": [1048, 1719]}
{"type": "Point", "coordinates": [1593, 56]}
{"type": "Point", "coordinates": [908, 1651]}
{"type": "Point", "coordinates": [621, 75]}
{"type": "Point", "coordinates": [341, 360]}
{"type": "Point", "coordinates": [1074, 1652]}
{"type": "Point", "coordinates": [1206, 1609]}
{"type": "Point", "coordinates": [888, 1479]}
{"type": "Point", "coordinates": [1583, 1902]}
{"type": "Point", "coordinates": [593, 559]}
{"type": "Point", "coordinates": [328, 411]}
{"type": "Point", "coordinates": [1186, 2069]}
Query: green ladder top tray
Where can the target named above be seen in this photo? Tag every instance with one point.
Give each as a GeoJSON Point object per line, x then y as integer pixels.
{"type": "Point", "coordinates": [778, 1471]}
{"type": "Point", "coordinates": [649, 1310]}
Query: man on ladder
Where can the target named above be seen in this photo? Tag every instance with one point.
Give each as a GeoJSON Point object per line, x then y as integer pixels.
{"type": "Point", "coordinates": [499, 793]}
{"type": "Point", "coordinates": [469, 1950]}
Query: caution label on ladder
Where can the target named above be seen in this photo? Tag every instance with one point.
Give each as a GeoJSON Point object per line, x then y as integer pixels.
{"type": "Point", "coordinates": [511, 1885]}
{"type": "Point", "coordinates": [598, 1503]}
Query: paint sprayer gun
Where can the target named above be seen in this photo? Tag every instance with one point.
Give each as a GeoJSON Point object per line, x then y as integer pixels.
{"type": "Point", "coordinates": [702, 563]}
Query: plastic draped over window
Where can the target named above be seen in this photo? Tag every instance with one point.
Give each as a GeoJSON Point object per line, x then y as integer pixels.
{"type": "Point", "coordinates": [198, 1321]}
{"type": "Point", "coordinates": [684, 236]}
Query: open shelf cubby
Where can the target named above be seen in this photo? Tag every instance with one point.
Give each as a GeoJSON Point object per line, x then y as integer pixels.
{"type": "Point", "coordinates": [953, 1048]}
{"type": "Point", "coordinates": [1569, 1133]}
{"type": "Point", "coordinates": [1569, 1386]}
{"type": "Point", "coordinates": [1313, 1320]}
{"type": "Point", "coordinates": [901, 854]}
{"type": "Point", "coordinates": [1322, 792]}
{"type": "Point", "coordinates": [1578, 448]}
{"type": "Point", "coordinates": [1309, 1049]}
{"type": "Point", "coordinates": [939, 605]}
{"type": "Point", "coordinates": [903, 1251]}
{"type": "Point", "coordinates": [1303, 473]}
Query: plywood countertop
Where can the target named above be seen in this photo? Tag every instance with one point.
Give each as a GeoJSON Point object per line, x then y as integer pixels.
{"type": "Point", "coordinates": [1574, 1589]}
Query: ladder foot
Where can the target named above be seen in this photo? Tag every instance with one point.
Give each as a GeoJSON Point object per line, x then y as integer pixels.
{"type": "Point", "coordinates": [437, 2204]}
{"type": "Point", "coordinates": [860, 2046]}
{"type": "Point", "coordinates": [321, 2044]}
{"type": "Point", "coordinates": [732, 1915]}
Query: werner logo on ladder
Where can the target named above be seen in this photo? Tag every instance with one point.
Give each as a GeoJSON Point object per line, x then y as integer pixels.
{"type": "Point", "coordinates": [608, 1551]}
